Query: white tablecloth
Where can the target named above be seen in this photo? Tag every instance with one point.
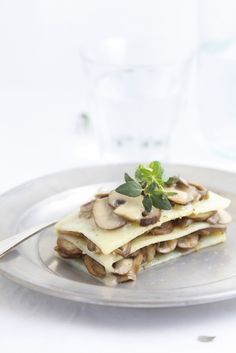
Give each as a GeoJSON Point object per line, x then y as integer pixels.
{"type": "Point", "coordinates": [44, 140]}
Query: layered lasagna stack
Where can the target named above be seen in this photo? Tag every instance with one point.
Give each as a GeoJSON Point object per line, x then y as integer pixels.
{"type": "Point", "coordinates": [114, 236]}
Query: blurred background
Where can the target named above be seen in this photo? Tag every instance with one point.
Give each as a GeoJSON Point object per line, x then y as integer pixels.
{"type": "Point", "coordinates": [163, 85]}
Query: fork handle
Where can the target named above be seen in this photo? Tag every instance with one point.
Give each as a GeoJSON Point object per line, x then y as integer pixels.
{"type": "Point", "coordinates": [11, 242]}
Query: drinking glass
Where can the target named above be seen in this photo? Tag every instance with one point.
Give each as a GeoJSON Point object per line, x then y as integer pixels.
{"type": "Point", "coordinates": [136, 93]}
{"type": "Point", "coordinates": [217, 75]}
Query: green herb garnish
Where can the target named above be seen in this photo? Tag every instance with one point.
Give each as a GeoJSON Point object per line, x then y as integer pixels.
{"type": "Point", "coordinates": [149, 182]}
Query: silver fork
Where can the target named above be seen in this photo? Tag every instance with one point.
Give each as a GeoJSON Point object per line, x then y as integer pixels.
{"type": "Point", "coordinates": [10, 243]}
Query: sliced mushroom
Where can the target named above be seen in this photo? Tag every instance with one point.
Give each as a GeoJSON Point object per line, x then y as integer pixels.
{"type": "Point", "coordinates": [151, 218]}
{"type": "Point", "coordinates": [94, 267]}
{"type": "Point", "coordinates": [86, 209]}
{"type": "Point", "coordinates": [123, 266]}
{"type": "Point", "coordinates": [181, 197]}
{"type": "Point", "coordinates": [167, 246]}
{"type": "Point", "coordinates": [93, 247]}
{"type": "Point", "coordinates": [124, 250]}
{"type": "Point", "coordinates": [201, 216]}
{"type": "Point", "coordinates": [165, 228]}
{"type": "Point", "coordinates": [201, 189]}
{"type": "Point", "coordinates": [131, 276]}
{"type": "Point", "coordinates": [67, 249]}
{"type": "Point", "coordinates": [225, 217]}
{"type": "Point", "coordinates": [182, 183]}
{"type": "Point", "coordinates": [189, 241]}
{"type": "Point", "coordinates": [150, 252]}
{"type": "Point", "coordinates": [104, 216]}
{"type": "Point", "coordinates": [130, 208]}
{"type": "Point", "coordinates": [183, 222]}
{"type": "Point", "coordinates": [137, 262]}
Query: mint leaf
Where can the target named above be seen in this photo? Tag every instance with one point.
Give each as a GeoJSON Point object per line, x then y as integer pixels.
{"type": "Point", "coordinates": [143, 174]}
{"type": "Point", "coordinates": [150, 182]}
{"type": "Point", "coordinates": [161, 201]}
{"type": "Point", "coordinates": [150, 188]}
{"type": "Point", "coordinates": [157, 169]}
{"type": "Point", "coordinates": [147, 203]}
{"type": "Point", "coordinates": [127, 177]}
{"type": "Point", "coordinates": [130, 188]}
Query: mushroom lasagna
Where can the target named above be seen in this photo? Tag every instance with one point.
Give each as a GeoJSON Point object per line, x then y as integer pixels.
{"type": "Point", "coordinates": [119, 233]}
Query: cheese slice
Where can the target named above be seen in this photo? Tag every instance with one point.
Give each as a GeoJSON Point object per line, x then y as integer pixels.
{"type": "Point", "coordinates": [109, 240]}
{"type": "Point", "coordinates": [140, 242]}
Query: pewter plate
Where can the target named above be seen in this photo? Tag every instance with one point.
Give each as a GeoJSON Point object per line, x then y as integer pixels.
{"type": "Point", "coordinates": [206, 276]}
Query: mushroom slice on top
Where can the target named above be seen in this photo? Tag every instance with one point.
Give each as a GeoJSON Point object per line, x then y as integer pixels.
{"type": "Point", "coordinates": [131, 208]}
{"type": "Point", "coordinates": [189, 241]}
{"type": "Point", "coordinates": [182, 183]}
{"type": "Point", "coordinates": [151, 218]}
{"type": "Point", "coordinates": [201, 189]}
{"type": "Point", "coordinates": [166, 246]}
{"type": "Point", "coordinates": [104, 216]}
{"type": "Point", "coordinates": [180, 197]}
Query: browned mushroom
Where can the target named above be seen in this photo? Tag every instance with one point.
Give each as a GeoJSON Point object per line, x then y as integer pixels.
{"type": "Point", "coordinates": [104, 216]}
{"type": "Point", "coordinates": [180, 197]}
{"type": "Point", "coordinates": [166, 246]}
{"type": "Point", "coordinates": [201, 189]}
{"type": "Point", "coordinates": [182, 183]}
{"type": "Point", "coordinates": [131, 276]}
{"type": "Point", "coordinates": [138, 260]}
{"type": "Point", "coordinates": [151, 218]}
{"type": "Point", "coordinates": [150, 252]}
{"type": "Point", "coordinates": [91, 246]}
{"type": "Point", "coordinates": [165, 228]}
{"type": "Point", "coordinates": [94, 267]}
{"type": "Point", "coordinates": [67, 249]}
{"type": "Point", "coordinates": [189, 241]}
{"type": "Point", "coordinates": [123, 266]}
{"type": "Point", "coordinates": [183, 222]}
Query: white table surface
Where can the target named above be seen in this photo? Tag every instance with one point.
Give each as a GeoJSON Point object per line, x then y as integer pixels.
{"type": "Point", "coordinates": [38, 141]}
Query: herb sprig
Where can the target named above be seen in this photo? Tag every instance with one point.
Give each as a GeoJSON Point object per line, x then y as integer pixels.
{"type": "Point", "coordinates": [149, 181]}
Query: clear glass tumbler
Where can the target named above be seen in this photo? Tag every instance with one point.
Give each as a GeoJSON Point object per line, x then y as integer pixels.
{"type": "Point", "coordinates": [136, 93]}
